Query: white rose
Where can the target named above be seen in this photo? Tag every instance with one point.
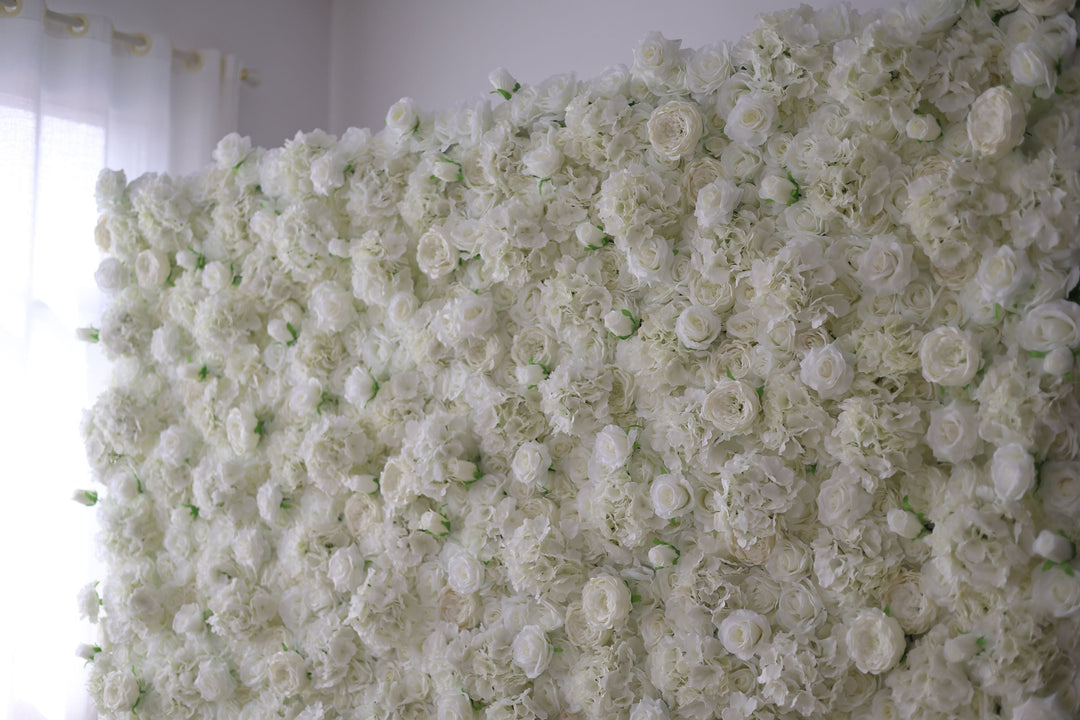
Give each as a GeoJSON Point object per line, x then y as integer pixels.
{"type": "Point", "coordinates": [360, 387]}
{"type": "Point", "coordinates": [707, 69]}
{"type": "Point", "coordinates": [286, 672]}
{"type": "Point", "coordinates": [214, 682]}
{"type": "Point", "coordinates": [875, 641]}
{"type": "Point", "coordinates": [531, 462]}
{"type": "Point", "coordinates": [1059, 487]}
{"type": "Point", "coordinates": [1047, 8]}
{"type": "Point", "coordinates": [620, 323]}
{"type": "Point", "coordinates": [697, 327]}
{"type": "Point", "coordinates": [435, 255]}
{"type": "Point", "coordinates": [332, 307]}
{"type": "Point", "coordinates": [120, 690]}
{"type": "Point", "coordinates": [1056, 591]}
{"type": "Point", "coordinates": [305, 397]}
{"type": "Point", "coordinates": [111, 275]}
{"type": "Point", "coordinates": [744, 632]}
{"type": "Point", "coordinates": [649, 257]}
{"type": "Point", "coordinates": [949, 356]}
{"type": "Point", "coordinates": [612, 448]}
{"type": "Point", "coordinates": [732, 406]}
{"type": "Point", "coordinates": [1040, 708]}
{"type": "Point", "coordinates": [1032, 66]}
{"type": "Point", "coordinates": [152, 268]}
{"type": "Point", "coordinates": [454, 706]}
{"type": "Point", "coordinates": [923, 128]}
{"type": "Point", "coordinates": [464, 573]}
{"type": "Point", "coordinates": [173, 446]}
{"type": "Point", "coordinates": [402, 117]}
{"type": "Point", "coordinates": [656, 55]}
{"type": "Point", "coordinates": [1013, 472]}
{"type": "Point", "coordinates": [216, 276]}
{"type": "Point", "coordinates": [231, 151]}
{"type": "Point", "coordinates": [825, 370]}
{"type": "Point", "coordinates": [543, 161]}
{"type": "Point", "coordinates": [751, 120]}
{"type": "Point", "coordinates": [904, 523]}
{"type": "Point", "coordinates": [532, 651]}
{"type": "Point", "coordinates": [1050, 325]}
{"type": "Point", "coordinates": [933, 16]}
{"type": "Point", "coordinates": [954, 432]}
{"type": "Point", "coordinates": [842, 501]}
{"type": "Point", "coordinates": [344, 568]}
{"type": "Point", "coordinates": [663, 555]}
{"type": "Point", "coordinates": [1002, 273]}
{"type": "Point", "coordinates": [240, 430]}
{"type": "Point", "coordinates": [1059, 361]}
{"type": "Point", "coordinates": [996, 122]}
{"type": "Point", "coordinates": [788, 561]}
{"type": "Point", "coordinates": [502, 80]}
{"type": "Point", "coordinates": [473, 315]}
{"type": "Point", "coordinates": [1053, 546]}
{"type": "Point", "coordinates": [716, 201]}
{"type": "Point", "coordinates": [885, 266]}
{"type": "Point", "coordinates": [671, 496]}
{"type": "Point", "coordinates": [778, 189]}
{"type": "Point", "coordinates": [649, 709]}
{"type": "Point", "coordinates": [909, 604]}
{"type": "Point", "coordinates": [605, 601]}
{"type": "Point", "coordinates": [675, 129]}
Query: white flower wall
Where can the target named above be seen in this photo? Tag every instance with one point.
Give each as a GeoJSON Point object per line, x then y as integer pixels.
{"type": "Point", "coordinates": [737, 383]}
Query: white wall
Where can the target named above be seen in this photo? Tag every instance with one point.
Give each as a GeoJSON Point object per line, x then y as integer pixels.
{"type": "Point", "coordinates": [287, 41]}
{"type": "Point", "coordinates": [439, 52]}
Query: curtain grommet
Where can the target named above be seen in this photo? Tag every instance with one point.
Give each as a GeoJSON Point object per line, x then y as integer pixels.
{"type": "Point", "coordinates": [80, 29]}
{"type": "Point", "coordinates": [143, 46]}
{"type": "Point", "coordinates": [194, 60]}
{"type": "Point", "coordinates": [10, 10]}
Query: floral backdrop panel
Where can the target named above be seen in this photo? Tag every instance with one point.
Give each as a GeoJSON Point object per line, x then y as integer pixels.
{"type": "Point", "coordinates": [737, 382]}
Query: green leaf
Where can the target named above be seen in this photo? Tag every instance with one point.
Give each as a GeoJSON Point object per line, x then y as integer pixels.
{"type": "Point", "coordinates": [556, 649]}
{"type": "Point", "coordinates": [727, 371]}
{"type": "Point", "coordinates": [91, 496]}
{"type": "Point", "coordinates": [192, 509]}
{"type": "Point", "coordinates": [888, 611]}
{"type": "Point", "coordinates": [980, 641]}
{"type": "Point", "coordinates": [286, 504]}
{"type": "Point", "coordinates": [293, 332]}
{"type": "Point", "coordinates": [1036, 353]}
{"type": "Point", "coordinates": [505, 93]}
{"type": "Point", "coordinates": [635, 598]}
{"type": "Point", "coordinates": [260, 428]}
{"type": "Point", "coordinates": [203, 371]}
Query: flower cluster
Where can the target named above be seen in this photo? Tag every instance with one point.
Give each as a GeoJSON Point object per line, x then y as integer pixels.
{"type": "Point", "coordinates": [739, 382]}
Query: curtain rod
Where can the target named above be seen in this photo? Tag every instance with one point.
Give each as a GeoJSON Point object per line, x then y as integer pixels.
{"type": "Point", "coordinates": [138, 42]}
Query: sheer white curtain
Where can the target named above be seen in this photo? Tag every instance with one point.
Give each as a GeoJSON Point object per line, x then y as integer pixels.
{"type": "Point", "coordinates": [72, 101]}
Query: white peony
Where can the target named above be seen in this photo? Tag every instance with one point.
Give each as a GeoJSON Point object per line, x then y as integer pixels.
{"type": "Point", "coordinates": [532, 651]}
{"type": "Point", "coordinates": [675, 129]}
{"type": "Point", "coordinates": [923, 128]}
{"type": "Point", "coordinates": [949, 356]}
{"type": "Point", "coordinates": [111, 275]}
{"type": "Point", "coordinates": [1013, 471]}
{"type": "Point", "coordinates": [1032, 66]}
{"type": "Point", "coordinates": [875, 641]}
{"type": "Point", "coordinates": [953, 434]}
{"type": "Point", "coordinates": [744, 633]}
{"type": "Point", "coordinates": [697, 327]}
{"type": "Point", "coordinates": [732, 406]}
{"type": "Point", "coordinates": [825, 370]}
{"type": "Point", "coordinates": [605, 601]}
{"type": "Point", "coordinates": [996, 122]}
{"type": "Point", "coordinates": [752, 119]}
